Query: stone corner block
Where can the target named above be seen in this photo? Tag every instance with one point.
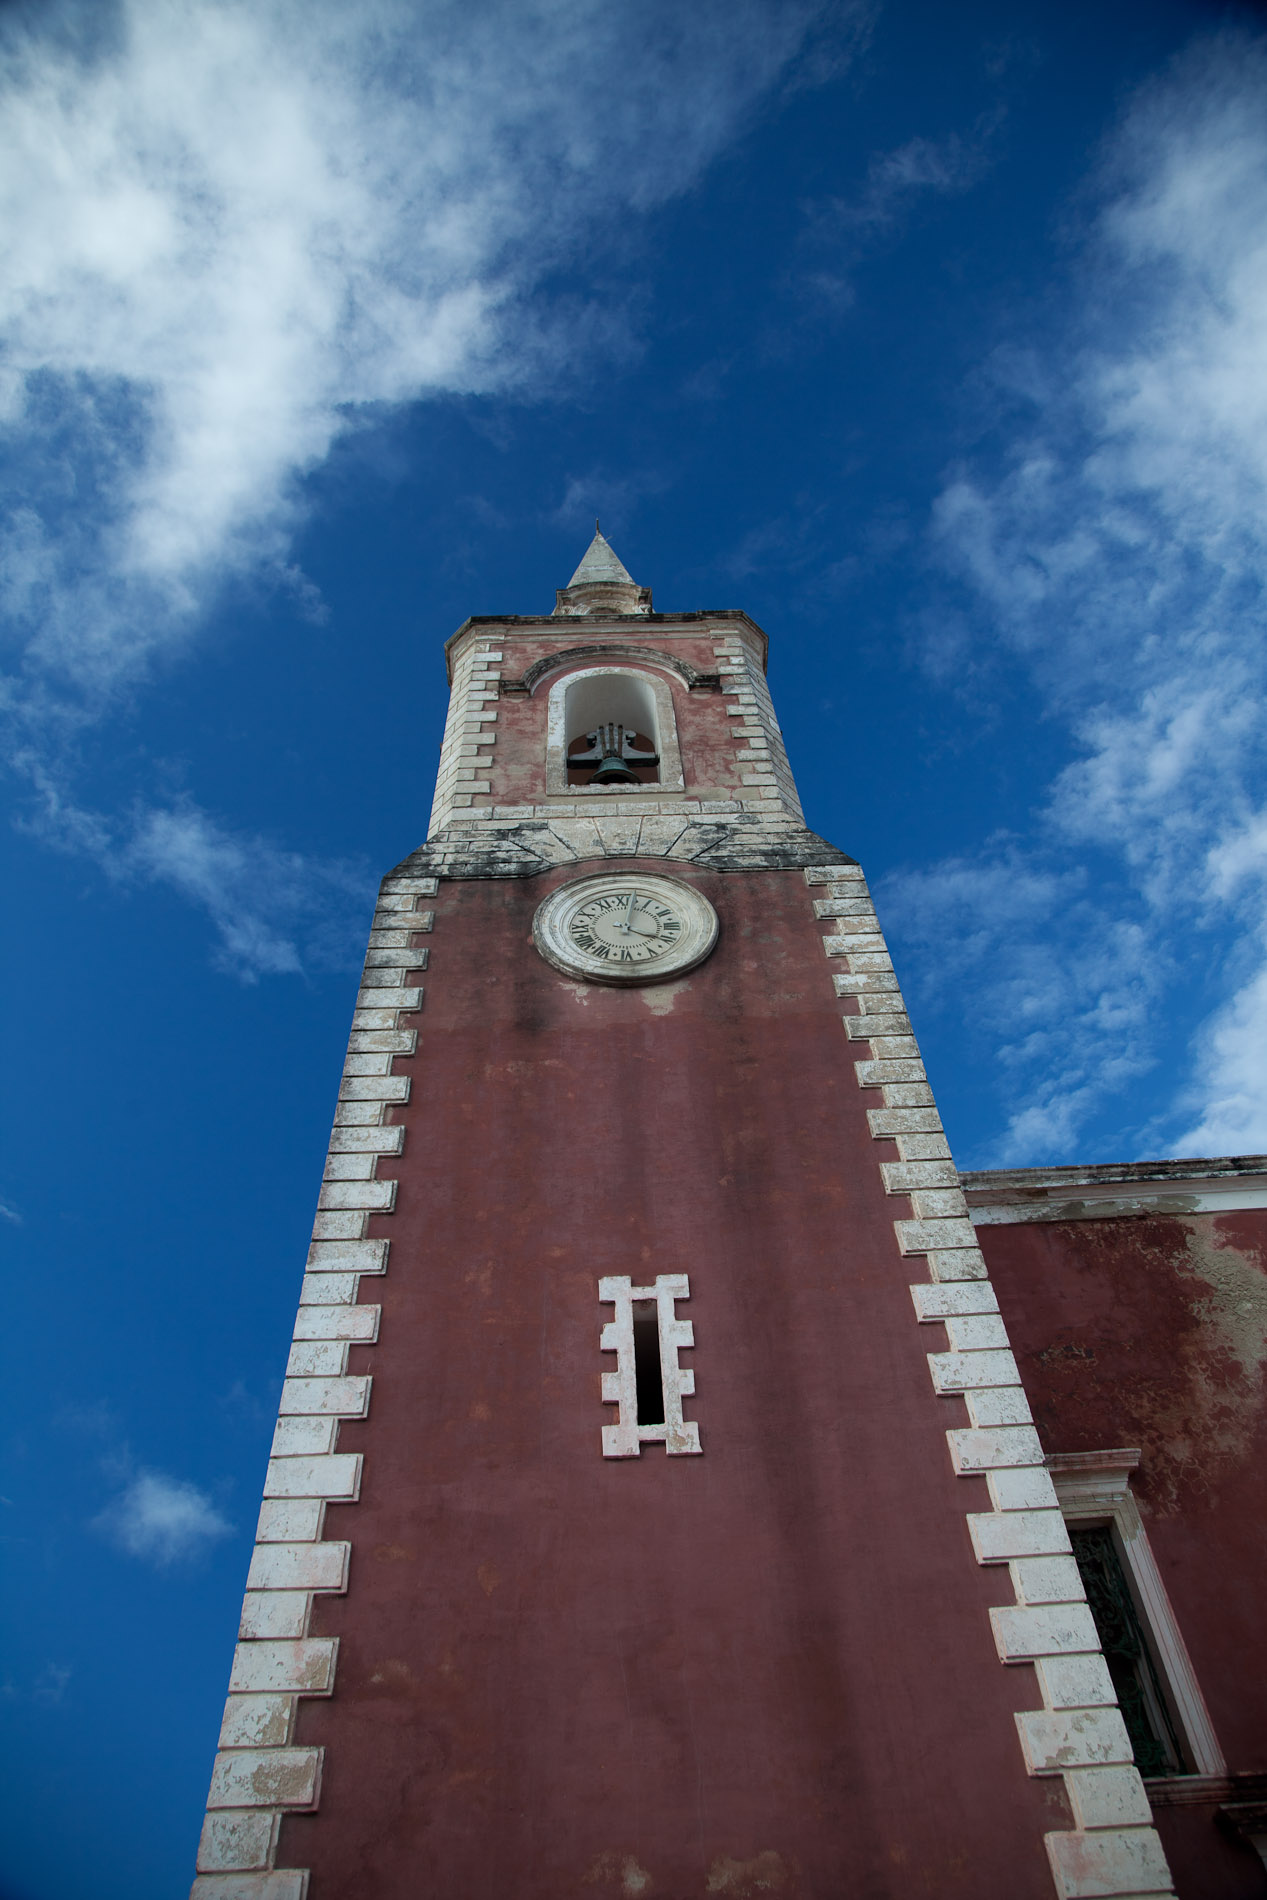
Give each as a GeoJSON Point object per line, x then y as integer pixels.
{"type": "Point", "coordinates": [1108, 1797]}
{"type": "Point", "coordinates": [966, 1371]}
{"type": "Point", "coordinates": [266, 1778]}
{"type": "Point", "coordinates": [337, 1475]}
{"type": "Point", "coordinates": [1046, 1580]}
{"type": "Point", "coordinates": [887, 1070]}
{"type": "Point", "coordinates": [999, 1536]}
{"type": "Point", "coordinates": [237, 1841]}
{"type": "Point", "coordinates": [989, 1406]}
{"type": "Point", "coordinates": [286, 1884]}
{"type": "Point", "coordinates": [1116, 1861]}
{"type": "Point", "coordinates": [1055, 1739]}
{"type": "Point", "coordinates": [1075, 1682]}
{"type": "Point", "coordinates": [973, 1449]}
{"type": "Point", "coordinates": [1022, 1635]}
{"type": "Point", "coordinates": [927, 1236]}
{"type": "Point", "coordinates": [957, 1263]}
{"type": "Point", "coordinates": [348, 1256]}
{"type": "Point", "coordinates": [300, 1566]}
{"type": "Point", "coordinates": [257, 1721]}
{"type": "Point", "coordinates": [303, 1666]}
{"type": "Point", "coordinates": [936, 1300]}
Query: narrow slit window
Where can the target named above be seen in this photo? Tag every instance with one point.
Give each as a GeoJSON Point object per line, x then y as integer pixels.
{"type": "Point", "coordinates": [648, 1373]}
{"type": "Point", "coordinates": [649, 1382]}
{"type": "Point", "coordinates": [1125, 1645]}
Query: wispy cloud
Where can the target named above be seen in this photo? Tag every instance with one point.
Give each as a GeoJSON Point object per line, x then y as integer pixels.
{"type": "Point", "coordinates": [234, 230]}
{"type": "Point", "coordinates": [52, 1683]}
{"type": "Point", "coordinates": [275, 912]}
{"type": "Point", "coordinates": [601, 493]}
{"type": "Point", "coordinates": [246, 1407]}
{"type": "Point", "coordinates": [1061, 990]}
{"type": "Point", "coordinates": [1229, 1089]}
{"type": "Point", "coordinates": [151, 1515]}
{"type": "Point", "coordinates": [231, 228]}
{"type": "Point", "coordinates": [162, 1520]}
{"type": "Point", "coordinates": [894, 179]}
{"type": "Point", "coordinates": [1120, 548]}
{"type": "Point", "coordinates": [48, 1685]}
{"type": "Point", "coordinates": [841, 231]}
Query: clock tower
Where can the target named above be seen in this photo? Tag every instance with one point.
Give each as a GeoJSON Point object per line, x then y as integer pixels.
{"type": "Point", "coordinates": [654, 1507]}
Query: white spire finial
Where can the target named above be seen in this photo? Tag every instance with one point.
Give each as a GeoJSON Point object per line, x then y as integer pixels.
{"type": "Point", "coordinates": [600, 562]}
{"type": "Point", "coordinates": [602, 584]}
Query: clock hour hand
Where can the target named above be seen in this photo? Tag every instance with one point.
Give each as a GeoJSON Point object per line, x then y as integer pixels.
{"type": "Point", "coordinates": [628, 925]}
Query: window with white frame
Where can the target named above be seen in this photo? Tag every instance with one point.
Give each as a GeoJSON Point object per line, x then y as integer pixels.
{"type": "Point", "coordinates": [1157, 1691]}
{"type": "Point", "coordinates": [648, 1385]}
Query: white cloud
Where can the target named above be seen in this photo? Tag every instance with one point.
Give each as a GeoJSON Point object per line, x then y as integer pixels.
{"type": "Point", "coordinates": [162, 1520]}
{"type": "Point", "coordinates": [1231, 1076]}
{"type": "Point", "coordinates": [1052, 992]}
{"type": "Point", "coordinates": [276, 912]}
{"type": "Point", "coordinates": [1122, 551]}
{"type": "Point", "coordinates": [893, 178]}
{"type": "Point", "coordinates": [606, 496]}
{"type": "Point", "coordinates": [233, 231]}
{"type": "Point", "coordinates": [51, 1684]}
{"type": "Point", "coordinates": [48, 1685]}
{"type": "Point", "coordinates": [841, 231]}
{"type": "Point", "coordinates": [231, 227]}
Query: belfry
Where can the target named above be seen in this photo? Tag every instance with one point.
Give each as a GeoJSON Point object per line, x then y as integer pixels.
{"type": "Point", "coordinates": [655, 1506]}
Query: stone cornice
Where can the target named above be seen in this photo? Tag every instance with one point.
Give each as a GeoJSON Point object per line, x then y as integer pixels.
{"type": "Point", "coordinates": [1106, 1191]}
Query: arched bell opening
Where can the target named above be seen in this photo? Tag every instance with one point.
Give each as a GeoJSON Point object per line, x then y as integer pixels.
{"type": "Point", "coordinates": [612, 729]}
{"type": "Point", "coordinates": [611, 723]}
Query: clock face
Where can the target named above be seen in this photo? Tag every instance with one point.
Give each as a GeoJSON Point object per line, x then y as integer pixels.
{"type": "Point", "coordinates": [625, 928]}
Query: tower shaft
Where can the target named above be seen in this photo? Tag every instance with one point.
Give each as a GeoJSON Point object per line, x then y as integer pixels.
{"type": "Point", "coordinates": [645, 1568]}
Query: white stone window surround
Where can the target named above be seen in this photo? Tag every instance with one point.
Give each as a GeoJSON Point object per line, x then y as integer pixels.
{"type": "Point", "coordinates": [1094, 1488]}
{"type": "Point", "coordinates": [636, 680]}
{"type": "Point", "coordinates": [626, 1437]}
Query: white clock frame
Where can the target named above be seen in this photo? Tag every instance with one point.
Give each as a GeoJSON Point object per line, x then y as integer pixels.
{"type": "Point", "coordinates": [551, 928]}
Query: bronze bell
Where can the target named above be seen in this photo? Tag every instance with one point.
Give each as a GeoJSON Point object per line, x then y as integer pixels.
{"type": "Point", "coordinates": [614, 771]}
{"type": "Point", "coordinates": [611, 750]}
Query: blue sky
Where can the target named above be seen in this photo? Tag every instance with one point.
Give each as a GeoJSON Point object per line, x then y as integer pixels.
{"type": "Point", "coordinates": [934, 338]}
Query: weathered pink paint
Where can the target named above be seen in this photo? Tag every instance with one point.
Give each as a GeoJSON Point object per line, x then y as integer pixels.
{"type": "Point", "coordinates": [765, 1669]}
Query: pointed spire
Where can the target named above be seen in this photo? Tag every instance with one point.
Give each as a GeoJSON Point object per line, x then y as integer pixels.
{"type": "Point", "coordinates": [602, 584]}
{"type": "Point", "coordinates": [600, 562]}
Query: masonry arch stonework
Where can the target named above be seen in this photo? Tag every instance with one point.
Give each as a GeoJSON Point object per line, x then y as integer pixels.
{"type": "Point", "coordinates": [620, 654]}
{"type": "Point", "coordinates": [575, 700]}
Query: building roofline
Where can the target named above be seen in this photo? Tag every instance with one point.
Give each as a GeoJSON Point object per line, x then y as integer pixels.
{"type": "Point", "coordinates": [1102, 1191]}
